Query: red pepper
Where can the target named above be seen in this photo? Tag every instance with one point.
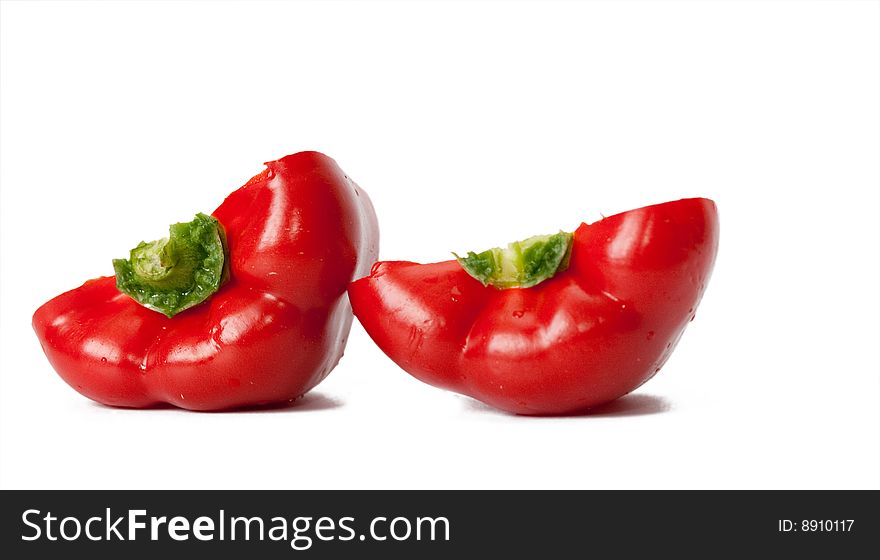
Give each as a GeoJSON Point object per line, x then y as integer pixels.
{"type": "Point", "coordinates": [256, 316]}
{"type": "Point", "coordinates": [554, 324]}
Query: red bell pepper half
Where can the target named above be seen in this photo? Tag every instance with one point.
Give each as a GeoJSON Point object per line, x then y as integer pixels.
{"type": "Point", "coordinates": [244, 307]}
{"type": "Point", "coordinates": [553, 324]}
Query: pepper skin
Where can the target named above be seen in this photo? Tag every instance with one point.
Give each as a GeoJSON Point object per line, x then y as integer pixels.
{"type": "Point", "coordinates": [592, 333]}
{"type": "Point", "coordinates": [297, 234]}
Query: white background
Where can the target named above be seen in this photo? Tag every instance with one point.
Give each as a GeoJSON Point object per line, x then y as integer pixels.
{"type": "Point", "coordinates": [470, 124]}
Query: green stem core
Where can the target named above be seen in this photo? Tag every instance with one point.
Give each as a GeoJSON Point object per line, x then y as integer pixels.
{"type": "Point", "coordinates": [521, 264]}
{"type": "Point", "coordinates": [178, 272]}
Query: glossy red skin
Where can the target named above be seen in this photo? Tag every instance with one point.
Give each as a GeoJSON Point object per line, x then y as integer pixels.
{"type": "Point", "coordinates": [587, 336]}
{"type": "Point", "coordinates": [297, 233]}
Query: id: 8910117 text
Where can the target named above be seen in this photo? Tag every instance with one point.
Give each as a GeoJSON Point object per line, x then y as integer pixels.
{"type": "Point", "coordinates": [816, 525]}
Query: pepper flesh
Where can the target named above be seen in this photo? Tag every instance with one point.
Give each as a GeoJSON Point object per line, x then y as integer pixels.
{"type": "Point", "coordinates": [297, 234]}
{"type": "Point", "coordinates": [592, 333]}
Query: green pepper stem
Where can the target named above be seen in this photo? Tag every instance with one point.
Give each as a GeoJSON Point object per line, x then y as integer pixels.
{"type": "Point", "coordinates": [522, 264]}
{"type": "Point", "coordinates": [178, 272]}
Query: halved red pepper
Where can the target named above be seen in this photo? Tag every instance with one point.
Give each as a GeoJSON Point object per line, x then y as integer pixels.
{"type": "Point", "coordinates": [552, 325]}
{"type": "Point", "coordinates": [244, 307]}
